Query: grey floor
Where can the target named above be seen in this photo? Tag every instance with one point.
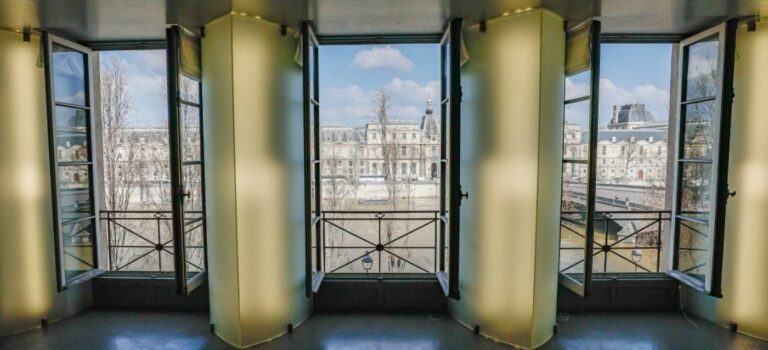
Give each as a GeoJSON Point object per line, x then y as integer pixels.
{"type": "Point", "coordinates": [155, 330]}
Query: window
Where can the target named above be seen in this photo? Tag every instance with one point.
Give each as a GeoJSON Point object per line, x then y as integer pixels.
{"type": "Point", "coordinates": [620, 227]}
{"type": "Point", "coordinates": [701, 157]}
{"type": "Point", "coordinates": [404, 150]}
{"type": "Point", "coordinates": [186, 158]}
{"type": "Point", "coordinates": [579, 168]}
{"type": "Point", "coordinates": [68, 75]}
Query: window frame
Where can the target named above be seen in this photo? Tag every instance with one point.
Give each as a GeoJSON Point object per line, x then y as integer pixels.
{"type": "Point", "coordinates": [312, 159]}
{"type": "Point", "coordinates": [48, 41]}
{"type": "Point", "coordinates": [584, 287]}
{"type": "Point", "coordinates": [174, 36]}
{"type": "Point", "coordinates": [718, 191]}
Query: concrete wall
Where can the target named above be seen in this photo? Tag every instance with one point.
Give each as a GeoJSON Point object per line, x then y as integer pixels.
{"type": "Point", "coordinates": [27, 263]}
{"type": "Point", "coordinates": [252, 92]}
{"type": "Point", "coordinates": [745, 265]}
{"type": "Point", "coordinates": [512, 114]}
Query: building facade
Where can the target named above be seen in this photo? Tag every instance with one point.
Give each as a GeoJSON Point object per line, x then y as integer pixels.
{"type": "Point", "coordinates": [631, 149]}
{"type": "Point", "coordinates": [403, 150]}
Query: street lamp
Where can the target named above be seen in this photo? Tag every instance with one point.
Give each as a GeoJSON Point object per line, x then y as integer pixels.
{"type": "Point", "coordinates": [637, 254]}
{"type": "Point", "coordinates": [367, 263]}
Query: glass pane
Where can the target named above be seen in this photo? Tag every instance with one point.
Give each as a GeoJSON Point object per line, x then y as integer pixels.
{"type": "Point", "coordinates": [698, 130]}
{"type": "Point", "coordinates": [189, 89]}
{"type": "Point", "coordinates": [74, 192]}
{"type": "Point", "coordinates": [692, 248]}
{"type": "Point", "coordinates": [577, 85]}
{"type": "Point", "coordinates": [573, 219]}
{"type": "Point", "coordinates": [195, 242]}
{"type": "Point", "coordinates": [71, 134]}
{"type": "Point", "coordinates": [190, 133]}
{"type": "Point", "coordinates": [78, 241]}
{"type": "Point", "coordinates": [702, 69]}
{"type": "Point", "coordinates": [312, 71]}
{"type": "Point", "coordinates": [312, 186]}
{"type": "Point", "coordinates": [695, 190]}
{"type": "Point", "coordinates": [313, 239]}
{"type": "Point", "coordinates": [69, 75]}
{"type": "Point", "coordinates": [193, 188]}
{"type": "Point", "coordinates": [576, 131]}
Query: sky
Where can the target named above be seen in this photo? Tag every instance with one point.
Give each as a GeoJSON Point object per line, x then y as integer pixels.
{"type": "Point", "coordinates": [350, 75]}
{"type": "Point", "coordinates": [146, 75]}
{"type": "Point", "coordinates": [629, 73]}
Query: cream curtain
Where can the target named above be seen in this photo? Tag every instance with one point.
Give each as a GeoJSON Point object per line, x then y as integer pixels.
{"type": "Point", "coordinates": [577, 46]}
{"type": "Point", "coordinates": [190, 56]}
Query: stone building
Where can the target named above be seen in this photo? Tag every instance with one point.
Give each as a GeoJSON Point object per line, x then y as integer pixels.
{"type": "Point", "coordinates": [408, 150]}
{"type": "Point", "coordinates": [631, 149]}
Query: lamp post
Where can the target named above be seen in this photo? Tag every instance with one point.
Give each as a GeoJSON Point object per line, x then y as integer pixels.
{"type": "Point", "coordinates": [367, 263]}
{"type": "Point", "coordinates": [637, 254]}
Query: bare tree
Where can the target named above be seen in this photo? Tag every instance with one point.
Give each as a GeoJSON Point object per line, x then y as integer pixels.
{"type": "Point", "coordinates": [119, 155]}
{"type": "Point", "coordinates": [391, 154]}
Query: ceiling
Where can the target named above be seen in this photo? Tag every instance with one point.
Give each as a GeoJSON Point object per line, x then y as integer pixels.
{"type": "Point", "coordinates": [109, 20]}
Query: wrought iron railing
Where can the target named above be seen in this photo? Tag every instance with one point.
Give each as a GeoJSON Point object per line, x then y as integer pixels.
{"type": "Point", "coordinates": [381, 242]}
{"type": "Point", "coordinates": [624, 241]}
{"type": "Point", "coordinates": [142, 241]}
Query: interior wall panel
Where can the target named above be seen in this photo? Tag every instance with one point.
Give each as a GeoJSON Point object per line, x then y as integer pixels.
{"type": "Point", "coordinates": [254, 176]}
{"type": "Point", "coordinates": [511, 129]}
{"type": "Point", "coordinates": [745, 262]}
{"type": "Point", "coordinates": [27, 262]}
{"type": "Point", "coordinates": [220, 206]}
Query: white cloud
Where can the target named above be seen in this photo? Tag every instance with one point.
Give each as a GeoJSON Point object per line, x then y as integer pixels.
{"type": "Point", "coordinates": [655, 99]}
{"type": "Point", "coordinates": [382, 57]}
{"type": "Point", "coordinates": [354, 105]}
{"type": "Point", "coordinates": [411, 91]}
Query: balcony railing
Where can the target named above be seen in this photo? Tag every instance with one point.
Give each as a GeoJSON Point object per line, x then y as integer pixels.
{"type": "Point", "coordinates": [142, 241]}
{"type": "Point", "coordinates": [624, 241]}
{"type": "Point", "coordinates": [380, 242]}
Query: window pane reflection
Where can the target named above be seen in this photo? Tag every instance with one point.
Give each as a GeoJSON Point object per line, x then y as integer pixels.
{"type": "Point", "coordinates": [68, 75]}
{"type": "Point", "coordinates": [692, 249]}
{"type": "Point", "coordinates": [698, 130]}
{"type": "Point", "coordinates": [702, 69]}
{"type": "Point", "coordinates": [695, 190]}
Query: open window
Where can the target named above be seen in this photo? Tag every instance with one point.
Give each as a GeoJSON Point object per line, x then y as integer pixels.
{"type": "Point", "coordinates": [186, 158]}
{"type": "Point", "coordinates": [314, 250]}
{"type": "Point", "coordinates": [579, 181]}
{"type": "Point", "coordinates": [68, 73]}
{"type": "Point", "coordinates": [450, 186]}
{"type": "Point", "coordinates": [701, 157]}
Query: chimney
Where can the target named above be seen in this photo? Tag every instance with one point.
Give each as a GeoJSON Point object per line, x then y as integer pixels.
{"type": "Point", "coordinates": [615, 119]}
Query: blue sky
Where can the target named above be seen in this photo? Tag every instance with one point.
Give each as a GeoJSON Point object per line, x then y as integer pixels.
{"type": "Point", "coordinates": [349, 76]}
